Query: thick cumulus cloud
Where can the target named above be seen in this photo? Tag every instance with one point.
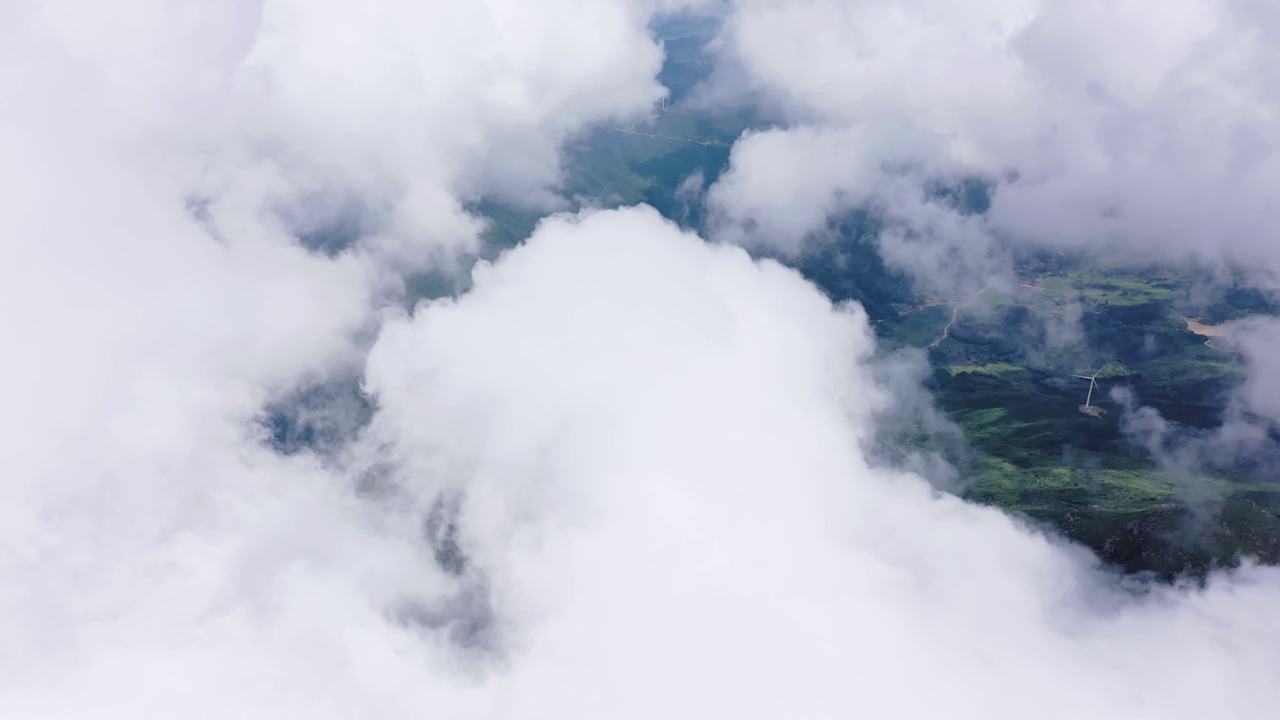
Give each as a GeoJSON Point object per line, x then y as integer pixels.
{"type": "Point", "coordinates": [623, 476]}
{"type": "Point", "coordinates": [388, 116]}
{"type": "Point", "coordinates": [416, 107]}
{"type": "Point", "coordinates": [1106, 126]}
{"type": "Point", "coordinates": [153, 156]}
{"type": "Point", "coordinates": [665, 493]}
{"type": "Point", "coordinates": [663, 501]}
{"type": "Point", "coordinates": [169, 166]}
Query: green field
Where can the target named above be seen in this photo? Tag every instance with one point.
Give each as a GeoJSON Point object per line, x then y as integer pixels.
{"type": "Point", "coordinates": [1138, 518]}
{"type": "Point", "coordinates": [1036, 454]}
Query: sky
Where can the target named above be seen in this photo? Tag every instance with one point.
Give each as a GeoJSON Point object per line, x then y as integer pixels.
{"type": "Point", "coordinates": [644, 451]}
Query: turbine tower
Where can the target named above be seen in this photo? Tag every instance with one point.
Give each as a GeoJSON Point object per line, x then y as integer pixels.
{"type": "Point", "coordinates": [1087, 408]}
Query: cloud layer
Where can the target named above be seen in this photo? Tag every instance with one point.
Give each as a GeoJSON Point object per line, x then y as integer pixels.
{"type": "Point", "coordinates": [623, 476]}
{"type": "Point", "coordinates": [665, 508]}
{"type": "Point", "coordinates": [666, 492]}
{"type": "Point", "coordinates": [1105, 126]}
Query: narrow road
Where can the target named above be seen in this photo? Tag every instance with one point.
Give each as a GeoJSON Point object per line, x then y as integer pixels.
{"type": "Point", "coordinates": [946, 331]}
{"type": "Point", "coordinates": [955, 315]}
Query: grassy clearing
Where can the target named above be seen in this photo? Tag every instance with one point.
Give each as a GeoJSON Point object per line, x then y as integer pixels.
{"type": "Point", "coordinates": [1047, 489]}
{"type": "Point", "coordinates": [1097, 287]}
{"type": "Point", "coordinates": [1139, 518]}
{"type": "Point", "coordinates": [996, 369]}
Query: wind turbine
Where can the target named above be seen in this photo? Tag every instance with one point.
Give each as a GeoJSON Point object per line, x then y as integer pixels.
{"type": "Point", "coordinates": [1086, 408]}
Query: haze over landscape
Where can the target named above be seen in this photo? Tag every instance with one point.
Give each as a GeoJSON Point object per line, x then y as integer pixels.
{"type": "Point", "coordinates": [640, 358]}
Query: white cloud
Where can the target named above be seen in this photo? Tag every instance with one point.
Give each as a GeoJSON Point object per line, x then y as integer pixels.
{"type": "Point", "coordinates": [1258, 339]}
{"type": "Point", "coordinates": [659, 440]}
{"type": "Point", "coordinates": [660, 446]}
{"type": "Point", "coordinates": [429, 103]}
{"type": "Point", "coordinates": [1139, 134]}
{"type": "Point", "coordinates": [412, 109]}
{"type": "Point", "coordinates": [783, 186]}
